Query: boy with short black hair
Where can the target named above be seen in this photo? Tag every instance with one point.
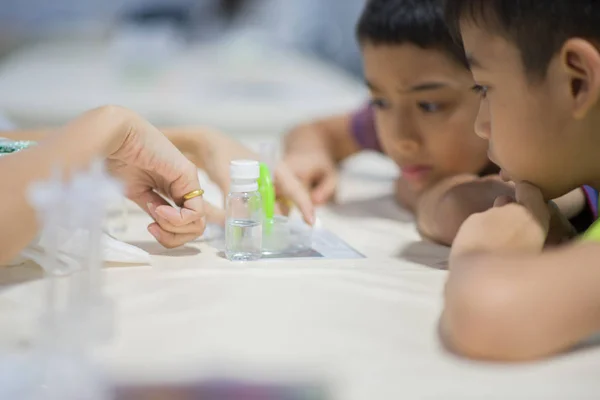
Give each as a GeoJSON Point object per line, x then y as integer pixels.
{"type": "Point", "coordinates": [421, 115]}
{"type": "Point", "coordinates": [537, 66]}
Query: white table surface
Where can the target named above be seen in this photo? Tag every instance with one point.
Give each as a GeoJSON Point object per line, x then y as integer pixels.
{"type": "Point", "coordinates": [366, 328]}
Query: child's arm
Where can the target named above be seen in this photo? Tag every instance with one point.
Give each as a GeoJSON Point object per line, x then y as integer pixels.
{"type": "Point", "coordinates": [442, 209]}
{"type": "Point", "coordinates": [313, 150]}
{"type": "Point", "coordinates": [505, 299]}
{"type": "Point", "coordinates": [332, 136]}
{"type": "Point", "coordinates": [522, 307]}
{"type": "Point", "coordinates": [212, 151]}
{"type": "Point", "coordinates": [572, 203]}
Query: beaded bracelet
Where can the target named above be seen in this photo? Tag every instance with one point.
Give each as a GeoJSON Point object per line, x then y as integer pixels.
{"type": "Point", "coordinates": [9, 146]}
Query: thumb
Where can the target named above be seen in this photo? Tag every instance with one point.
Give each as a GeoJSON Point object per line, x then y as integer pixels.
{"type": "Point", "coordinates": [503, 201]}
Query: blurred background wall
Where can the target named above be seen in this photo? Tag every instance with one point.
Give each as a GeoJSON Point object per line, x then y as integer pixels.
{"type": "Point", "coordinates": [243, 66]}
{"type": "Point", "coordinates": [324, 28]}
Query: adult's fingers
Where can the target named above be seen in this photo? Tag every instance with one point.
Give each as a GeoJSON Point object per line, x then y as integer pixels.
{"type": "Point", "coordinates": [170, 240]}
{"type": "Point", "coordinates": [193, 210]}
{"type": "Point", "coordinates": [165, 232]}
{"type": "Point", "coordinates": [169, 219]}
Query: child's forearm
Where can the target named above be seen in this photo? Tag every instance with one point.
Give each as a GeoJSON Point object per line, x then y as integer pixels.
{"type": "Point", "coordinates": [571, 204]}
{"type": "Point", "coordinates": [333, 136]}
{"type": "Point", "coordinates": [513, 308]}
{"type": "Point", "coordinates": [195, 143]}
{"type": "Point", "coordinates": [442, 209]}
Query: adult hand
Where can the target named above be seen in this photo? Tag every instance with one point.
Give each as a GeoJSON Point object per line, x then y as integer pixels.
{"type": "Point", "coordinates": [150, 164]}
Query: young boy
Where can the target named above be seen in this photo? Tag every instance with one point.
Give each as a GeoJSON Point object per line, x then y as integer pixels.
{"type": "Point", "coordinates": [537, 66]}
{"type": "Point", "coordinates": [421, 115]}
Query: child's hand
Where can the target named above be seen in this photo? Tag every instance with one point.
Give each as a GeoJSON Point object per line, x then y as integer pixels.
{"type": "Point", "coordinates": [221, 150]}
{"type": "Point", "coordinates": [316, 171]}
{"type": "Point", "coordinates": [510, 227]}
{"type": "Point", "coordinates": [405, 195]}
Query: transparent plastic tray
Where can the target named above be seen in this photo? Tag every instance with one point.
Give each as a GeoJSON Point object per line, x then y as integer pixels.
{"type": "Point", "coordinates": [285, 236]}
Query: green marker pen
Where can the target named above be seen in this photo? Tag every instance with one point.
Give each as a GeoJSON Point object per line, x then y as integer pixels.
{"type": "Point", "coordinates": [267, 194]}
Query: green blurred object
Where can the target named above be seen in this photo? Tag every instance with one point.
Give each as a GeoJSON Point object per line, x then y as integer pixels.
{"type": "Point", "coordinates": [593, 234]}
{"type": "Point", "coordinates": [267, 191]}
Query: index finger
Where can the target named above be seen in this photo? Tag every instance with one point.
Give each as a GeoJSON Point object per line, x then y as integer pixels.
{"type": "Point", "coordinates": [530, 197]}
{"type": "Point", "coordinates": [294, 190]}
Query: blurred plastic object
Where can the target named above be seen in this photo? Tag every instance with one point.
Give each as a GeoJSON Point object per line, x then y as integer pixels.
{"type": "Point", "coordinates": [228, 389]}
{"type": "Point", "coordinates": [76, 314]}
{"type": "Point", "coordinates": [64, 234]}
{"type": "Point", "coordinates": [286, 236]}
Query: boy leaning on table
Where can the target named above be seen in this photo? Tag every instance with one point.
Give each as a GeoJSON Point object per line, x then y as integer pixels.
{"type": "Point", "coordinates": [537, 67]}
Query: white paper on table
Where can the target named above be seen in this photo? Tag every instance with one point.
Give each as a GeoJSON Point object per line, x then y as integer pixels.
{"type": "Point", "coordinates": [73, 247]}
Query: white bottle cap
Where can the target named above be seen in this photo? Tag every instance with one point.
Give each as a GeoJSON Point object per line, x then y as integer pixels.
{"type": "Point", "coordinates": [244, 175]}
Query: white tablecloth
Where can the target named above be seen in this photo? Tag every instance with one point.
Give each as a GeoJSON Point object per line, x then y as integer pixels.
{"type": "Point", "coordinates": [366, 328]}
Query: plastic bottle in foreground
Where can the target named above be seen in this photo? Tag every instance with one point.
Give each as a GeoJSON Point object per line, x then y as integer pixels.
{"type": "Point", "coordinates": [243, 234]}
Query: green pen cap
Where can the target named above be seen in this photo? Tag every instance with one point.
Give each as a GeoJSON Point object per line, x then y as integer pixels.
{"type": "Point", "coordinates": [267, 192]}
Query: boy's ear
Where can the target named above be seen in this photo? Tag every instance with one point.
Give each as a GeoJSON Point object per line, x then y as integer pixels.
{"type": "Point", "coordinates": [581, 61]}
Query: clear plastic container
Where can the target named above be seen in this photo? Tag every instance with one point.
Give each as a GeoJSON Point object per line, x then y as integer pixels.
{"type": "Point", "coordinates": [244, 225]}
{"type": "Point", "coordinates": [285, 237]}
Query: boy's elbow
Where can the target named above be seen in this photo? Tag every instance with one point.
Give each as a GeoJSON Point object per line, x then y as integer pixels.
{"type": "Point", "coordinates": [481, 321]}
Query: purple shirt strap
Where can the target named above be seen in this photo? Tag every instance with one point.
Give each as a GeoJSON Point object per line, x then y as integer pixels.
{"type": "Point", "coordinates": [363, 129]}
{"type": "Point", "coordinates": [591, 195]}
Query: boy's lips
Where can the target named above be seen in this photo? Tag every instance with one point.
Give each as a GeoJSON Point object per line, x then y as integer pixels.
{"type": "Point", "coordinates": [415, 172]}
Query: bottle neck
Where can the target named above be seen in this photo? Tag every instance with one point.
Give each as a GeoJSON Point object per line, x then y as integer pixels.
{"type": "Point", "coordinates": [242, 186]}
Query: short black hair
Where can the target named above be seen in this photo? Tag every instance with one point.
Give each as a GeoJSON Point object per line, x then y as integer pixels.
{"type": "Point", "coordinates": [538, 28]}
{"type": "Point", "coordinates": [418, 22]}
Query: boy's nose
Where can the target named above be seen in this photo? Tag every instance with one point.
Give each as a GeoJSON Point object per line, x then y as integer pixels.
{"type": "Point", "coordinates": [408, 146]}
{"type": "Point", "coordinates": [483, 126]}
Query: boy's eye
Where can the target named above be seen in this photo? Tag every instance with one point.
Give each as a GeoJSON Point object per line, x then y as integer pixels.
{"type": "Point", "coordinates": [480, 90]}
{"type": "Point", "coordinates": [379, 103]}
{"type": "Point", "coordinates": [430, 107]}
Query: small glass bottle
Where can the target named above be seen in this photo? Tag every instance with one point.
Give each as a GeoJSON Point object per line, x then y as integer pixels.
{"type": "Point", "coordinates": [243, 234]}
